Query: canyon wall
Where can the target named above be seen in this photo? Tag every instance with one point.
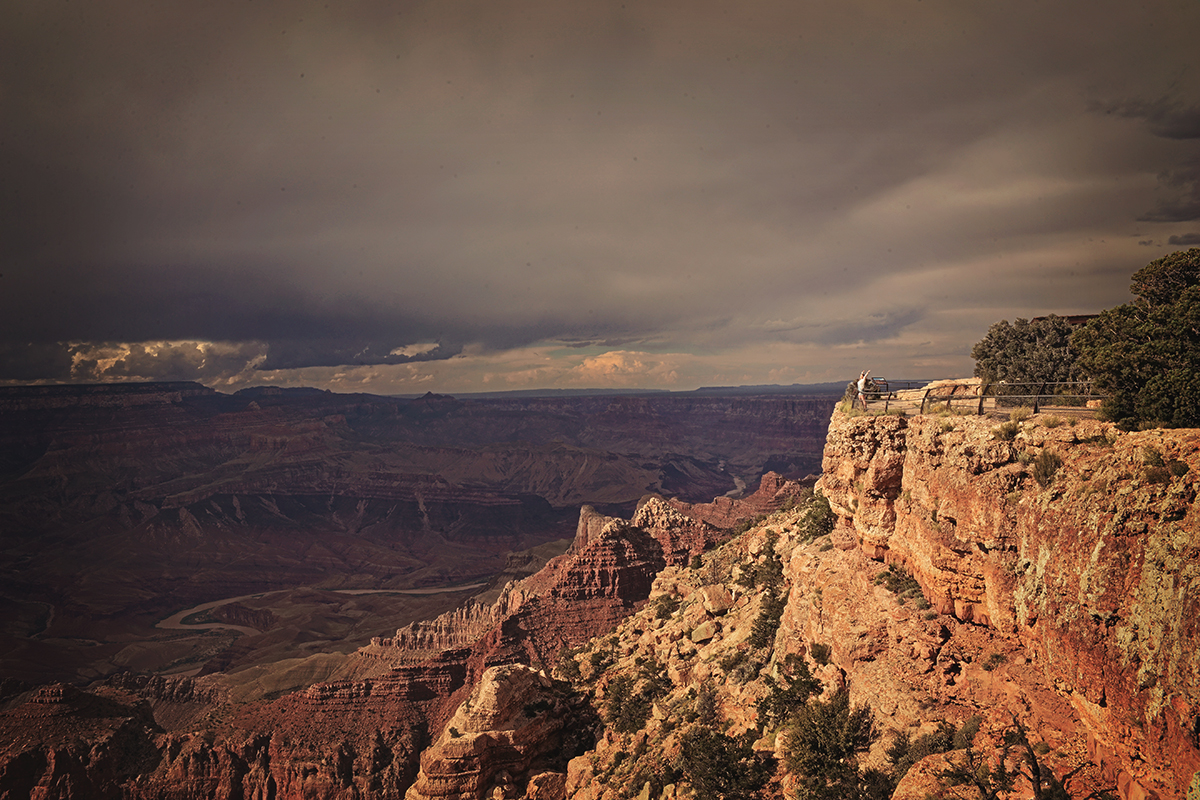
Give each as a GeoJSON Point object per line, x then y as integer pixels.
{"type": "Point", "coordinates": [1092, 567]}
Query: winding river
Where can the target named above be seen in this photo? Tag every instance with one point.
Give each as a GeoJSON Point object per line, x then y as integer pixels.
{"type": "Point", "coordinates": [176, 620]}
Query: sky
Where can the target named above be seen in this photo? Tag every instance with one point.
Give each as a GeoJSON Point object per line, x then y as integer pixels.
{"type": "Point", "coordinates": [400, 197]}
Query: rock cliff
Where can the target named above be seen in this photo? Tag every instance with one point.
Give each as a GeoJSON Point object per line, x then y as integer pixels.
{"type": "Point", "coordinates": [970, 583]}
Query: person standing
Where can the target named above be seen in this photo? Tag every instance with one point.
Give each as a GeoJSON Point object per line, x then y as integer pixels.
{"type": "Point", "coordinates": [862, 388]}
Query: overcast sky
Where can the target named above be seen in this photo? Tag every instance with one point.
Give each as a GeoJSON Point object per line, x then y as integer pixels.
{"type": "Point", "coordinates": [397, 197]}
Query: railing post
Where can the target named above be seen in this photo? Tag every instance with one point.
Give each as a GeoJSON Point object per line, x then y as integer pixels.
{"type": "Point", "coordinates": [924, 398]}
{"type": "Point", "coordinates": [1038, 396]}
{"type": "Point", "coordinates": [979, 411]}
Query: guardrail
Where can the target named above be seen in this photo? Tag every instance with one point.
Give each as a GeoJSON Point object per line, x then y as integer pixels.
{"type": "Point", "coordinates": [982, 397]}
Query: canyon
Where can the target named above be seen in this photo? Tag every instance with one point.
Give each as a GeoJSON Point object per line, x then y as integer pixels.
{"type": "Point", "coordinates": [122, 504]}
{"type": "Point", "coordinates": [1039, 576]}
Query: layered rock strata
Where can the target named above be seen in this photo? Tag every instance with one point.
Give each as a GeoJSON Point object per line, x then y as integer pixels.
{"type": "Point", "coordinates": [1077, 542]}
{"type": "Point", "coordinates": [507, 740]}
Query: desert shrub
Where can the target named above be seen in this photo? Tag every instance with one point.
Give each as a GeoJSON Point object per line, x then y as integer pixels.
{"type": "Point", "coordinates": [767, 574]}
{"type": "Point", "coordinates": [567, 666]}
{"type": "Point", "coordinates": [818, 518]}
{"type": "Point", "coordinates": [1052, 421]}
{"type": "Point", "coordinates": [600, 660]}
{"type": "Point", "coordinates": [1177, 468]}
{"type": "Point", "coordinates": [1152, 456]}
{"type": "Point", "coordinates": [822, 743]}
{"type": "Point", "coordinates": [899, 582]}
{"type": "Point", "coordinates": [624, 710]}
{"type": "Point", "coordinates": [1020, 414]}
{"type": "Point", "coordinates": [732, 660]}
{"type": "Point", "coordinates": [721, 767]}
{"type": "Point", "coordinates": [965, 735]}
{"type": "Point", "coordinates": [905, 751]}
{"type": "Point", "coordinates": [762, 633]}
{"type": "Point", "coordinates": [994, 778]}
{"type": "Point", "coordinates": [665, 605]}
{"type": "Point", "coordinates": [1045, 466]}
{"type": "Point", "coordinates": [820, 652]}
{"type": "Point", "coordinates": [1007, 431]}
{"type": "Point", "coordinates": [655, 682]}
{"type": "Point", "coordinates": [747, 524]}
{"type": "Point", "coordinates": [795, 685]}
{"type": "Point", "coordinates": [992, 661]}
{"type": "Point", "coordinates": [704, 707]}
{"type": "Point", "coordinates": [1156, 475]}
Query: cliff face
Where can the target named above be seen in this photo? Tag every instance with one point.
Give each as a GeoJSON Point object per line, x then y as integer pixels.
{"type": "Point", "coordinates": [1093, 571]}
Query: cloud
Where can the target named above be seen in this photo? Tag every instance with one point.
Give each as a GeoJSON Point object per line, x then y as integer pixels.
{"type": "Point", "coordinates": [1184, 239]}
{"type": "Point", "coordinates": [1165, 117]}
{"type": "Point", "coordinates": [479, 193]}
{"type": "Point", "coordinates": [1182, 202]}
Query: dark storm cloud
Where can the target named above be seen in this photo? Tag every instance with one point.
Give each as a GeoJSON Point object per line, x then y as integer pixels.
{"type": "Point", "coordinates": [1185, 239]}
{"type": "Point", "coordinates": [379, 185]}
{"type": "Point", "coordinates": [867, 328]}
{"type": "Point", "coordinates": [1182, 201]}
{"type": "Point", "coordinates": [1165, 117]}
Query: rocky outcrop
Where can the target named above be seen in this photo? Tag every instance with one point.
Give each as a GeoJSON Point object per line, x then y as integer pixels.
{"type": "Point", "coordinates": [774, 491]}
{"type": "Point", "coordinates": [505, 741]}
{"type": "Point", "coordinates": [1075, 543]}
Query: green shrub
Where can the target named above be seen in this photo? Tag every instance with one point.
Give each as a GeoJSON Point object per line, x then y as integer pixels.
{"type": "Point", "coordinates": [1157, 475]}
{"type": "Point", "coordinates": [818, 518]}
{"type": "Point", "coordinates": [1025, 352]}
{"type": "Point", "coordinates": [822, 743]}
{"type": "Point", "coordinates": [796, 685]}
{"type": "Point", "coordinates": [721, 767]}
{"type": "Point", "coordinates": [904, 752]}
{"type": "Point", "coordinates": [992, 661]}
{"type": "Point", "coordinates": [1145, 355]}
{"type": "Point", "coordinates": [1045, 466]}
{"type": "Point", "coordinates": [567, 666]}
{"type": "Point", "coordinates": [902, 584]}
{"type": "Point", "coordinates": [1007, 431]}
{"type": "Point", "coordinates": [1151, 456]}
{"type": "Point", "coordinates": [624, 710]}
{"type": "Point", "coordinates": [1020, 414]}
{"type": "Point", "coordinates": [665, 605]}
{"type": "Point", "coordinates": [820, 652]}
{"type": "Point", "coordinates": [762, 634]}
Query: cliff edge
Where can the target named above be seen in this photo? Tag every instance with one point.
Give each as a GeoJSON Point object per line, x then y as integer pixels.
{"type": "Point", "coordinates": [1077, 542]}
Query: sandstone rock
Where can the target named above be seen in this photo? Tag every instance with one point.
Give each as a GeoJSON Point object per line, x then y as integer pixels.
{"type": "Point", "coordinates": [705, 631]}
{"type": "Point", "coordinates": [1077, 575]}
{"type": "Point", "coordinates": [492, 745]}
{"type": "Point", "coordinates": [717, 599]}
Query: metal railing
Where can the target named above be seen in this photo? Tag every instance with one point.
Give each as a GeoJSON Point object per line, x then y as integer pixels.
{"type": "Point", "coordinates": [921, 397]}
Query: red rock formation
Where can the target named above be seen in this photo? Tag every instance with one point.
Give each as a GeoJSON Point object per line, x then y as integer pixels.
{"type": "Point", "coordinates": [773, 492]}
{"type": "Point", "coordinates": [1090, 569]}
{"type": "Point", "coordinates": [505, 736]}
